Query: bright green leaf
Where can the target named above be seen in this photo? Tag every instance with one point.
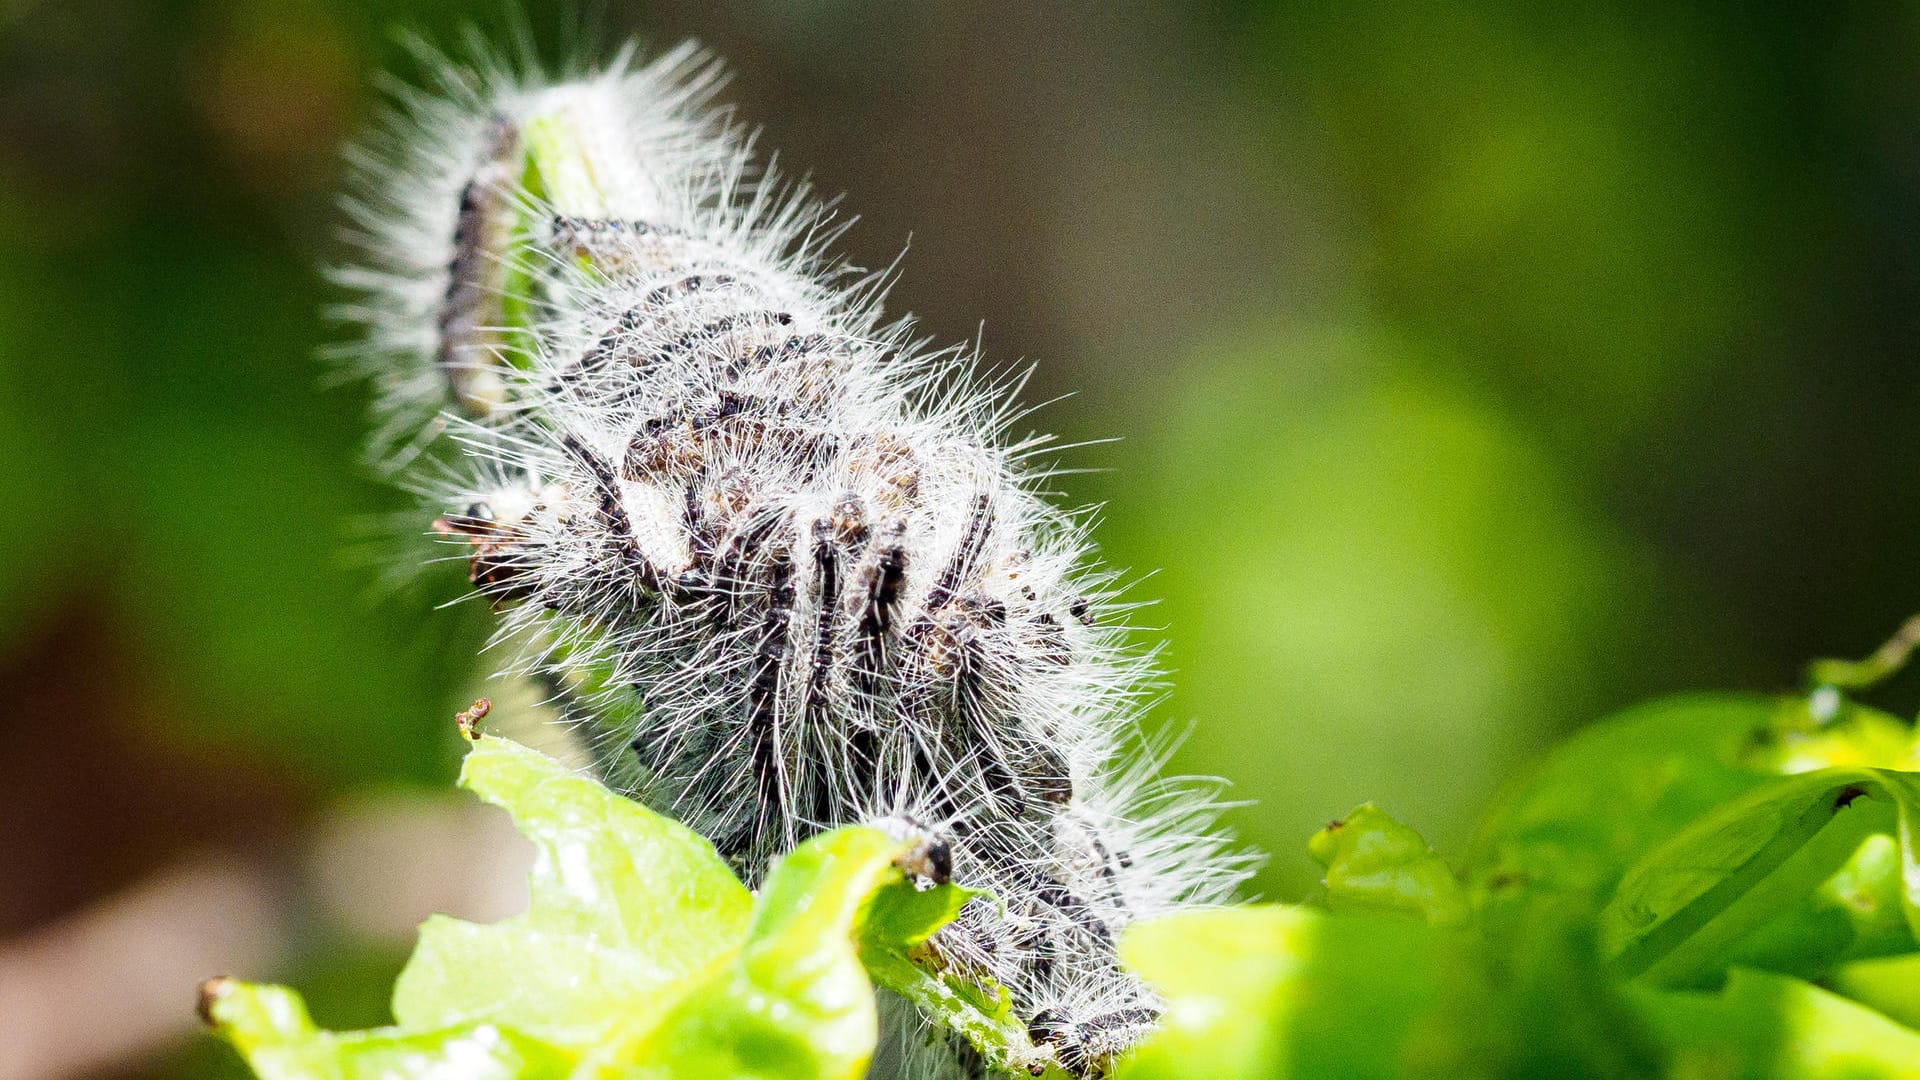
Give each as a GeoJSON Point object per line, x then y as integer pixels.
{"type": "Point", "coordinates": [1615, 791]}
{"type": "Point", "coordinates": [1890, 984]}
{"type": "Point", "coordinates": [640, 956]}
{"type": "Point", "coordinates": [982, 1014]}
{"type": "Point", "coordinates": [1825, 730]}
{"type": "Point", "coordinates": [1292, 992]}
{"type": "Point", "coordinates": [1374, 863]}
{"type": "Point", "coordinates": [796, 1002]}
{"type": "Point", "coordinates": [1680, 913]}
{"type": "Point", "coordinates": [1275, 991]}
{"type": "Point", "coordinates": [270, 1027]}
{"type": "Point", "coordinates": [1856, 913]}
{"type": "Point", "coordinates": [1770, 1027]}
{"type": "Point", "coordinates": [625, 906]}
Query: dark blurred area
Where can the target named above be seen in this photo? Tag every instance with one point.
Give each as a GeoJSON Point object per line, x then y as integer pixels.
{"type": "Point", "coordinates": [1478, 368]}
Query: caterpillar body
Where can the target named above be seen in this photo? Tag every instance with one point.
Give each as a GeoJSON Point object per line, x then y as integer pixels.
{"type": "Point", "coordinates": [778, 557]}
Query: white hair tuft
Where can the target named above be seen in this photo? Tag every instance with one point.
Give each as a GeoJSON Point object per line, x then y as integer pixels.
{"type": "Point", "coordinates": [775, 554]}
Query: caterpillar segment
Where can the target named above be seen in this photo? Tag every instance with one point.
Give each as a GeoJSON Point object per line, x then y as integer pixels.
{"type": "Point", "coordinates": [776, 556]}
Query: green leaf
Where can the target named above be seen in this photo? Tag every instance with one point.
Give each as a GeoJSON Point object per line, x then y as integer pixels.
{"type": "Point", "coordinates": [1614, 792]}
{"type": "Point", "coordinates": [1889, 984]}
{"type": "Point", "coordinates": [625, 905]}
{"type": "Point", "coordinates": [640, 955]}
{"type": "Point", "coordinates": [1680, 913]}
{"type": "Point", "coordinates": [982, 1014]}
{"type": "Point", "coordinates": [1627, 785]}
{"type": "Point", "coordinates": [270, 1027]}
{"type": "Point", "coordinates": [1374, 863]}
{"type": "Point", "coordinates": [1278, 991]}
{"type": "Point", "coordinates": [796, 1001]}
{"type": "Point", "coordinates": [1855, 914]}
{"type": "Point", "coordinates": [1771, 1027]}
{"type": "Point", "coordinates": [1825, 730]}
{"type": "Point", "coordinates": [1222, 974]}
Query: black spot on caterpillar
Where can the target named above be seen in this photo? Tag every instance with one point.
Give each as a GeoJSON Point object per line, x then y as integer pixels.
{"type": "Point", "coordinates": [470, 312]}
{"type": "Point", "coordinates": [772, 554]}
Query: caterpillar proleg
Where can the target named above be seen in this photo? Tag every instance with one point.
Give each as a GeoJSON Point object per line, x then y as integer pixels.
{"type": "Point", "coordinates": [777, 556]}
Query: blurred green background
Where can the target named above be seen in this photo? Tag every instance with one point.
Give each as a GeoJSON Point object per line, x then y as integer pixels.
{"type": "Point", "coordinates": [1477, 369]}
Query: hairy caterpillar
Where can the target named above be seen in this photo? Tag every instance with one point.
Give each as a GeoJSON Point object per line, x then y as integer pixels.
{"type": "Point", "coordinates": [777, 556]}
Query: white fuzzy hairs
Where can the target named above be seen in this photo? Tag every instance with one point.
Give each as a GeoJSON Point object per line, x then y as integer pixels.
{"type": "Point", "coordinates": [775, 555]}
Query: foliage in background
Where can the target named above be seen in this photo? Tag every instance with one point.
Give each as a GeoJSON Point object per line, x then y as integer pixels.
{"type": "Point", "coordinates": [1588, 381]}
{"type": "Point", "coordinates": [1715, 885]}
{"type": "Point", "coordinates": [1607, 353]}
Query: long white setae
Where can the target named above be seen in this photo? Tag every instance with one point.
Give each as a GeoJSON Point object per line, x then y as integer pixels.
{"type": "Point", "coordinates": [780, 559]}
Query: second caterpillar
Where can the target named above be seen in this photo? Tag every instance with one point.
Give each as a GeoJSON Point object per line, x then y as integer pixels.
{"type": "Point", "coordinates": [778, 557]}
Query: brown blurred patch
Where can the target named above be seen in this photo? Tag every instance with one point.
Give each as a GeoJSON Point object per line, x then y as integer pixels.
{"type": "Point", "coordinates": [97, 797]}
{"type": "Point", "coordinates": [276, 84]}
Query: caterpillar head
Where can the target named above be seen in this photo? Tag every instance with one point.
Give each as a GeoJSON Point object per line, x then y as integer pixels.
{"type": "Point", "coordinates": [498, 530]}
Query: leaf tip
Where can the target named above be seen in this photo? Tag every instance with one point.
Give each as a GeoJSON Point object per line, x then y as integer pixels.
{"type": "Point", "coordinates": [468, 720]}
{"type": "Point", "coordinates": [212, 992]}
